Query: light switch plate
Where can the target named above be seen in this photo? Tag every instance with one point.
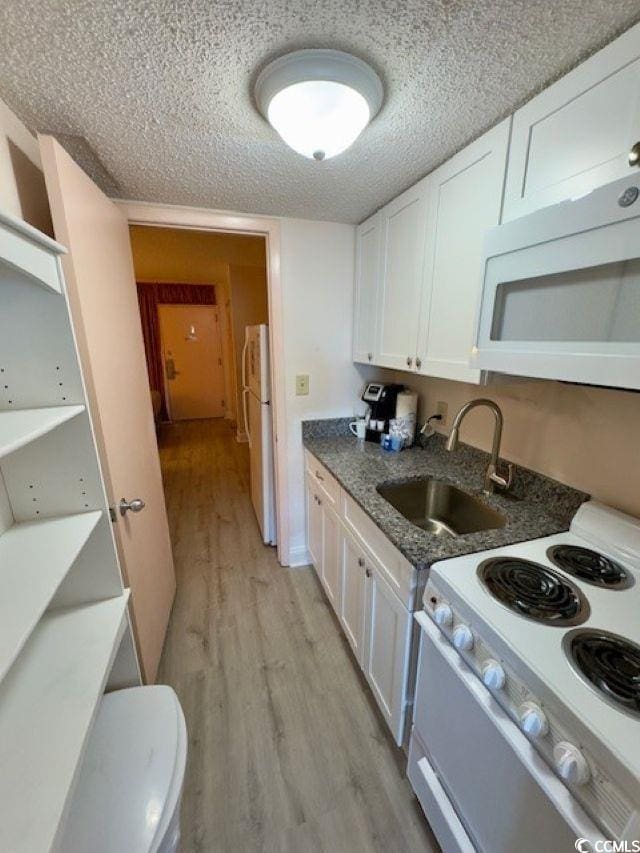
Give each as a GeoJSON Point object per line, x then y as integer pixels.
{"type": "Point", "coordinates": [302, 384]}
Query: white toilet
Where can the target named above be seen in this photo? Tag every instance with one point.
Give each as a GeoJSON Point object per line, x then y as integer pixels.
{"type": "Point", "coordinates": [128, 792]}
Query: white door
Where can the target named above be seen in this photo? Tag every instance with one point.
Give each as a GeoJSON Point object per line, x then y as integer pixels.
{"type": "Point", "coordinates": [577, 134]}
{"type": "Point", "coordinates": [314, 527]}
{"type": "Point", "coordinates": [352, 597]}
{"type": "Point", "coordinates": [465, 199]}
{"type": "Point", "coordinates": [106, 320]}
{"type": "Point", "coordinates": [403, 243]}
{"type": "Point", "coordinates": [366, 289]}
{"type": "Point", "coordinates": [330, 563]}
{"type": "Point", "coordinates": [387, 649]}
{"type": "Point", "coordinates": [192, 356]}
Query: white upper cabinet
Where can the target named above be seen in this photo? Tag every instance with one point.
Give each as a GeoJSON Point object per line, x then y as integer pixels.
{"type": "Point", "coordinates": [577, 134]}
{"type": "Point", "coordinates": [403, 242]}
{"type": "Point", "coordinates": [368, 238]}
{"type": "Point", "coordinates": [465, 199]}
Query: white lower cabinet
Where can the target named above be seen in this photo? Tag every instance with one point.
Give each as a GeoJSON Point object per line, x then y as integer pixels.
{"type": "Point", "coordinates": [330, 565]}
{"type": "Point", "coordinates": [353, 593]}
{"type": "Point", "coordinates": [314, 526]}
{"type": "Point", "coordinates": [387, 649]}
{"type": "Point", "coordinates": [376, 621]}
{"type": "Point", "coordinates": [322, 534]}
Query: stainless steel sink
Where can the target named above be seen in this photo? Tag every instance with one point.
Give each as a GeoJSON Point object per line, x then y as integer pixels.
{"type": "Point", "coordinates": [439, 508]}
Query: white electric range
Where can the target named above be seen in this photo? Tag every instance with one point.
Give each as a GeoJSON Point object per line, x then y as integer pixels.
{"type": "Point", "coordinates": [526, 730]}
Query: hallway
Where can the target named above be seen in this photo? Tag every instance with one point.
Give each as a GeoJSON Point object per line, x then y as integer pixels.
{"type": "Point", "coordinates": [286, 749]}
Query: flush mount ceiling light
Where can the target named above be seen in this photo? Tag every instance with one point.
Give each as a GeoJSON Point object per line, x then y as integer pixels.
{"type": "Point", "coordinates": [319, 101]}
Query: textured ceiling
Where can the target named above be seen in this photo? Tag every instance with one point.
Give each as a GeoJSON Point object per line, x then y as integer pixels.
{"type": "Point", "coordinates": [160, 90]}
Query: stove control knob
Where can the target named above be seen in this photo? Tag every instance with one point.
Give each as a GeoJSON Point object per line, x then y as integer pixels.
{"type": "Point", "coordinates": [493, 675]}
{"type": "Point", "coordinates": [443, 615]}
{"type": "Point", "coordinates": [571, 763]}
{"type": "Point", "coordinates": [462, 638]}
{"type": "Point", "coordinates": [533, 720]}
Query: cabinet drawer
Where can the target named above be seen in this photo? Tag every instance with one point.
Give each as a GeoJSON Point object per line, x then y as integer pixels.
{"type": "Point", "coordinates": [319, 475]}
{"type": "Point", "coordinates": [396, 569]}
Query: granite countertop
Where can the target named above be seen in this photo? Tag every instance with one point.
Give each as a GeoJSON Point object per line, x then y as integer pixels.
{"type": "Point", "coordinates": [537, 505]}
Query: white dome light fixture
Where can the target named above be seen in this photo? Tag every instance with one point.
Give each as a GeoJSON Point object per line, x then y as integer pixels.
{"type": "Point", "coordinates": [319, 101]}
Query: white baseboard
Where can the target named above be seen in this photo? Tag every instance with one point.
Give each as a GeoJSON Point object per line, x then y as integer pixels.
{"type": "Point", "coordinates": [299, 556]}
{"type": "Point", "coordinates": [241, 437]}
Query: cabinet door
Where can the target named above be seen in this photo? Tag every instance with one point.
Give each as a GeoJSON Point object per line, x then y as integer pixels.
{"type": "Point", "coordinates": [366, 290]}
{"type": "Point", "coordinates": [576, 135]}
{"type": "Point", "coordinates": [314, 528]}
{"type": "Point", "coordinates": [330, 566]}
{"type": "Point", "coordinates": [465, 198]}
{"type": "Point", "coordinates": [352, 598]}
{"type": "Point", "coordinates": [403, 239]}
{"type": "Point", "coordinates": [387, 650]}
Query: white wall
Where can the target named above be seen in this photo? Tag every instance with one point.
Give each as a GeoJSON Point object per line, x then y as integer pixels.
{"type": "Point", "coordinates": [22, 188]}
{"type": "Point", "coordinates": [317, 269]}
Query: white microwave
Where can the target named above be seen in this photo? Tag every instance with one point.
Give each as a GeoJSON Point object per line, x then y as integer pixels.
{"type": "Point", "coordinates": [561, 291]}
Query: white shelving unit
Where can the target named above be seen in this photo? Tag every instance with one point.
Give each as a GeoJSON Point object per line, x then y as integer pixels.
{"type": "Point", "coordinates": [21, 427]}
{"type": "Point", "coordinates": [65, 633]}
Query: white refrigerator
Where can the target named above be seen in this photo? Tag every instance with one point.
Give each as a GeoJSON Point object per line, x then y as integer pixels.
{"type": "Point", "coordinates": [258, 424]}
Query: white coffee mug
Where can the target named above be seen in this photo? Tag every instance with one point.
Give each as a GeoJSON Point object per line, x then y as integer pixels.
{"type": "Point", "coordinates": [358, 428]}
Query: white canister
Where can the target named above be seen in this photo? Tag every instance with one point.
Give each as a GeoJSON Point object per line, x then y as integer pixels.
{"type": "Point", "coordinates": [406, 412]}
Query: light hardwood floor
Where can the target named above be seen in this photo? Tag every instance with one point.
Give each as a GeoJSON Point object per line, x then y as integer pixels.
{"type": "Point", "coordinates": [286, 749]}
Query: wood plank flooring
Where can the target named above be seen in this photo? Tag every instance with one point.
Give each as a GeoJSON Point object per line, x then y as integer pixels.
{"type": "Point", "coordinates": [287, 751]}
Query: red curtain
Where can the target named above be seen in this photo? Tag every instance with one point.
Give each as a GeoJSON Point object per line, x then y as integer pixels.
{"type": "Point", "coordinates": [150, 295]}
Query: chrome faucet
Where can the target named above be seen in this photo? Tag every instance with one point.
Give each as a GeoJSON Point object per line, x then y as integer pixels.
{"type": "Point", "coordinates": [493, 480]}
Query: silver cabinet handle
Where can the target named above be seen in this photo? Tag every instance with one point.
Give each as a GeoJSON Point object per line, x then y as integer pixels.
{"type": "Point", "coordinates": [418, 363]}
{"type": "Point", "coordinates": [368, 572]}
{"type": "Point", "coordinates": [634, 155]}
{"type": "Point", "coordinates": [136, 505]}
{"type": "Point", "coordinates": [409, 361]}
{"type": "Point", "coordinates": [369, 355]}
{"type": "Point", "coordinates": [361, 562]}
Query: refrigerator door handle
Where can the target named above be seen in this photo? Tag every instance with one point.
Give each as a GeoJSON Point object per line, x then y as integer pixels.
{"type": "Point", "coordinates": [244, 360]}
{"type": "Point", "coordinates": [245, 392]}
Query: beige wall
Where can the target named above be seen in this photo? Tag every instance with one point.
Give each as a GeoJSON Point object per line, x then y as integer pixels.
{"type": "Point", "coordinates": [192, 257]}
{"type": "Point", "coordinates": [586, 437]}
{"type": "Point", "coordinates": [249, 307]}
{"type": "Point", "coordinates": [22, 189]}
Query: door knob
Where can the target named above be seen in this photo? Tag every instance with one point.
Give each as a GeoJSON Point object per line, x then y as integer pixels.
{"type": "Point", "coordinates": [634, 155]}
{"type": "Point", "coordinates": [136, 505]}
{"type": "Point", "coordinates": [170, 368]}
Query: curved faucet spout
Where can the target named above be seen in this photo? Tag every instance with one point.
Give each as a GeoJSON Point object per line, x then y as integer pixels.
{"type": "Point", "coordinates": [492, 478]}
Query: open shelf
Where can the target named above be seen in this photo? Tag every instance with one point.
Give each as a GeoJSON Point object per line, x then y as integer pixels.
{"type": "Point", "coordinates": [35, 557]}
{"type": "Point", "coordinates": [48, 701]}
{"type": "Point", "coordinates": [20, 426]}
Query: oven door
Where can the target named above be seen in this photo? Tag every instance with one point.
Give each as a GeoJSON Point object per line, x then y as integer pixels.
{"type": "Point", "coordinates": [480, 782]}
{"type": "Point", "coordinates": [561, 292]}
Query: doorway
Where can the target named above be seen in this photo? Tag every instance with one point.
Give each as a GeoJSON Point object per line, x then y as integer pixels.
{"type": "Point", "coordinates": [176, 218]}
{"type": "Point", "coordinates": [193, 361]}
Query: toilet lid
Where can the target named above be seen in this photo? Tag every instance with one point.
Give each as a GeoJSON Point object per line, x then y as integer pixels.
{"type": "Point", "coordinates": [131, 777]}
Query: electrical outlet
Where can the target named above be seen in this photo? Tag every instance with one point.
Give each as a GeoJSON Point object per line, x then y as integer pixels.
{"type": "Point", "coordinates": [302, 385]}
{"type": "Point", "coordinates": [441, 409]}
